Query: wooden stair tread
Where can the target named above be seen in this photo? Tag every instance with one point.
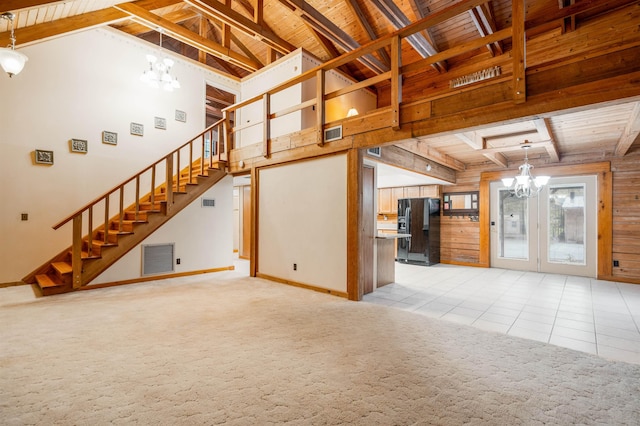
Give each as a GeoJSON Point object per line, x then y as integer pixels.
{"type": "Point", "coordinates": [44, 281]}
{"type": "Point", "coordinates": [62, 267]}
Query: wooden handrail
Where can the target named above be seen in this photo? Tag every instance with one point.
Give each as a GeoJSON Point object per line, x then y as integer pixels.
{"type": "Point", "coordinates": [136, 176]}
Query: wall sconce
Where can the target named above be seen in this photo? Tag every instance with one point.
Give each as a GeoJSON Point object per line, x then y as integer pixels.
{"type": "Point", "coordinates": [352, 112]}
{"type": "Point", "coordinates": [12, 62]}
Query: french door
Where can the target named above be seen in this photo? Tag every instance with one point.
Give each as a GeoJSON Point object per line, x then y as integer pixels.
{"type": "Point", "coordinates": [555, 232]}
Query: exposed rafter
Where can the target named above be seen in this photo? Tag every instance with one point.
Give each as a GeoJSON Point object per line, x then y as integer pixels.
{"type": "Point", "coordinates": [479, 143]}
{"type": "Point", "coordinates": [180, 33]}
{"type": "Point", "coordinates": [361, 19]}
{"type": "Point", "coordinates": [330, 30]}
{"type": "Point", "coordinates": [13, 5]}
{"type": "Point", "coordinates": [631, 133]}
{"type": "Point", "coordinates": [546, 133]}
{"type": "Point", "coordinates": [230, 17]}
{"type": "Point", "coordinates": [422, 149]}
{"type": "Point", "coordinates": [399, 20]}
{"type": "Point", "coordinates": [482, 17]}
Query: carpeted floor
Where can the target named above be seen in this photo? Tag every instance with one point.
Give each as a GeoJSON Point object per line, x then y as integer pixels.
{"type": "Point", "coordinates": [217, 349]}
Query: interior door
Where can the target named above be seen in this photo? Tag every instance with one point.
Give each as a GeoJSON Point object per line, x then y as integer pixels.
{"type": "Point", "coordinates": [554, 232]}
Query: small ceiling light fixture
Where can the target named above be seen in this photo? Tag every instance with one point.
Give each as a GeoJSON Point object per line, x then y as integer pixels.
{"type": "Point", "coordinates": [159, 72]}
{"type": "Point", "coordinates": [525, 185]}
{"type": "Point", "coordinates": [352, 112]}
{"type": "Point", "coordinates": [12, 61]}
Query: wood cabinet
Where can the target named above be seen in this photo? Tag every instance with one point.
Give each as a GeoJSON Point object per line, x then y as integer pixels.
{"type": "Point", "coordinates": [411, 192]}
{"type": "Point", "coordinates": [388, 197]}
{"type": "Point", "coordinates": [384, 200]}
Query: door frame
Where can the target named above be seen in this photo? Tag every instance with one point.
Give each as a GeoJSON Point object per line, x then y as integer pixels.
{"type": "Point", "coordinates": [537, 220]}
{"type": "Point", "coordinates": [604, 183]}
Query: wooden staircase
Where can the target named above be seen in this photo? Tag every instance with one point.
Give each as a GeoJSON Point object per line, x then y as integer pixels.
{"type": "Point", "coordinates": [92, 253]}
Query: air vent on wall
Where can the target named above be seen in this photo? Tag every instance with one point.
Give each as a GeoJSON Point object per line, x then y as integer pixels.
{"type": "Point", "coordinates": [333, 134]}
{"type": "Point", "coordinates": [208, 202]}
{"type": "Point", "coordinates": [157, 258]}
{"type": "Point", "coordinates": [374, 151]}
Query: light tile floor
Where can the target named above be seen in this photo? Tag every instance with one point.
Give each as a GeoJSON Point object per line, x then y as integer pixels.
{"type": "Point", "coordinates": [599, 317]}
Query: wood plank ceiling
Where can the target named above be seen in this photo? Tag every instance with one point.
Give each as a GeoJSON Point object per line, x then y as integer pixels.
{"type": "Point", "coordinates": [237, 37]}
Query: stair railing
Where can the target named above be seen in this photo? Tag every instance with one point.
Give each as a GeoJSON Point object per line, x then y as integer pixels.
{"type": "Point", "coordinates": [212, 150]}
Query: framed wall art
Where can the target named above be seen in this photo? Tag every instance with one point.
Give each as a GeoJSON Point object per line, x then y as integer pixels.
{"type": "Point", "coordinates": [181, 116]}
{"type": "Point", "coordinates": [137, 129]}
{"type": "Point", "coordinates": [79, 145]}
{"type": "Point", "coordinates": [44, 157]}
{"type": "Point", "coordinates": [110, 138]}
{"type": "Point", "coordinates": [160, 123]}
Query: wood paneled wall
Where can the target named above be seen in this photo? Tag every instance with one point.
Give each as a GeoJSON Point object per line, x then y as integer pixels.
{"type": "Point", "coordinates": [626, 217]}
{"type": "Point", "coordinates": [459, 236]}
{"type": "Point", "coordinates": [460, 242]}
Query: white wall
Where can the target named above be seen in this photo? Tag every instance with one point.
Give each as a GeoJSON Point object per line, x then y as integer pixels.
{"type": "Point", "coordinates": [203, 238]}
{"type": "Point", "coordinates": [76, 87]}
{"type": "Point", "coordinates": [302, 218]}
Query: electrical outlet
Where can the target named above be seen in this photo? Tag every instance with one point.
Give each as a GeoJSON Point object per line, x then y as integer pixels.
{"type": "Point", "coordinates": [616, 264]}
{"type": "Point", "coordinates": [295, 266]}
{"type": "Point", "coordinates": [177, 261]}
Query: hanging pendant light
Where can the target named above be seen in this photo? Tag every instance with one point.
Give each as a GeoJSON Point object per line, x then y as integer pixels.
{"type": "Point", "coordinates": [12, 61]}
{"type": "Point", "coordinates": [525, 185]}
{"type": "Point", "coordinates": [159, 72]}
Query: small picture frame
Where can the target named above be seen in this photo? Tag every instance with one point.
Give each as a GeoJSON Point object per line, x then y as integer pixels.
{"type": "Point", "coordinates": [181, 116]}
{"type": "Point", "coordinates": [110, 138]}
{"type": "Point", "coordinates": [78, 145]}
{"type": "Point", "coordinates": [44, 157]}
{"type": "Point", "coordinates": [137, 129]}
{"type": "Point", "coordinates": [160, 123]}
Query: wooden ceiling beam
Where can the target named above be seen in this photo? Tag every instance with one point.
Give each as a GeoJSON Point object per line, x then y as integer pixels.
{"type": "Point", "coordinates": [178, 16]}
{"type": "Point", "coordinates": [399, 20]}
{"type": "Point", "coordinates": [631, 133]}
{"type": "Point", "coordinates": [330, 30]}
{"type": "Point", "coordinates": [422, 149]}
{"type": "Point", "coordinates": [42, 32]}
{"type": "Point", "coordinates": [543, 126]}
{"type": "Point", "coordinates": [361, 19]}
{"type": "Point", "coordinates": [479, 144]}
{"type": "Point", "coordinates": [182, 34]}
{"type": "Point", "coordinates": [13, 5]}
{"type": "Point", "coordinates": [230, 17]}
{"type": "Point", "coordinates": [65, 26]}
{"type": "Point", "coordinates": [482, 17]}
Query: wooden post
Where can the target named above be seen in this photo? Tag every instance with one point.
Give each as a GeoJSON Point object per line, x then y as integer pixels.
{"type": "Point", "coordinates": [153, 184]}
{"type": "Point", "coordinates": [396, 81]}
{"type": "Point", "coordinates": [355, 285]}
{"type": "Point", "coordinates": [320, 116]}
{"type": "Point", "coordinates": [519, 52]}
{"type": "Point", "coordinates": [76, 252]}
{"type": "Point", "coordinates": [90, 227]}
{"type": "Point", "coordinates": [106, 218]}
{"type": "Point", "coordinates": [169, 181]}
{"type": "Point", "coordinates": [253, 250]}
{"type": "Point", "coordinates": [137, 197]}
{"type": "Point", "coordinates": [121, 209]}
{"type": "Point", "coordinates": [266, 125]}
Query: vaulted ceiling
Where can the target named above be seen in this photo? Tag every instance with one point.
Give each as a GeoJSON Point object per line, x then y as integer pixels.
{"type": "Point", "coordinates": [237, 37]}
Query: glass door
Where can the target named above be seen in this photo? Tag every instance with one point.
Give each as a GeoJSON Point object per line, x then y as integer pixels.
{"type": "Point", "coordinates": [554, 232]}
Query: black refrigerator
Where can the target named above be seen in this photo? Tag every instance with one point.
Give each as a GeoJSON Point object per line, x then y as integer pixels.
{"type": "Point", "coordinates": [419, 220]}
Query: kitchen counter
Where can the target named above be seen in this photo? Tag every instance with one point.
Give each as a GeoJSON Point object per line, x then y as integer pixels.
{"type": "Point", "coordinates": [392, 236]}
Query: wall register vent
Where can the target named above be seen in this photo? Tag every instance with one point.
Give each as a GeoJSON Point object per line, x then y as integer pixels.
{"type": "Point", "coordinates": [208, 202]}
{"type": "Point", "coordinates": [333, 134]}
{"type": "Point", "coordinates": [374, 151]}
{"type": "Point", "coordinates": [157, 258]}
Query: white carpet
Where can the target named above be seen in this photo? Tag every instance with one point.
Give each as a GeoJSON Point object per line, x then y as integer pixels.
{"type": "Point", "coordinates": [216, 349]}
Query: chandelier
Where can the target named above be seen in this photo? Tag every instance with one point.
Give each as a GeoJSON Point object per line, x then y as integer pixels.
{"type": "Point", "coordinates": [11, 60]}
{"type": "Point", "coordinates": [525, 185]}
{"type": "Point", "coordinates": [159, 72]}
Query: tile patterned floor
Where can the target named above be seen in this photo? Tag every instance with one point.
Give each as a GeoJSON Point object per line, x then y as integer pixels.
{"type": "Point", "coordinates": [599, 317]}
